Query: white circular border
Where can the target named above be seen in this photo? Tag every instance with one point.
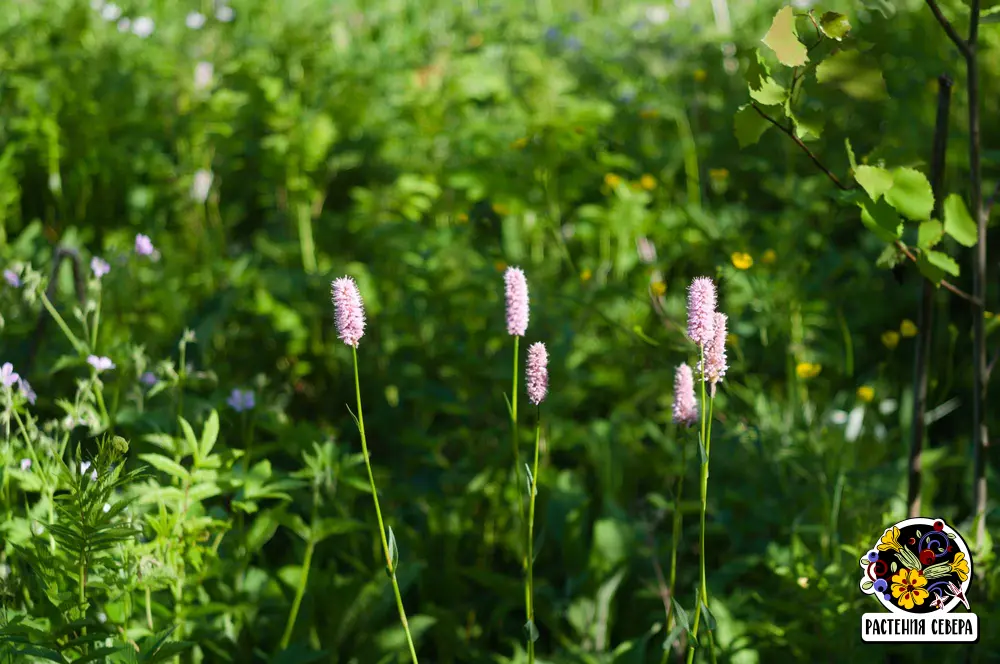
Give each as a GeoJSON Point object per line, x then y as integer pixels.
{"type": "Point", "coordinates": [946, 530]}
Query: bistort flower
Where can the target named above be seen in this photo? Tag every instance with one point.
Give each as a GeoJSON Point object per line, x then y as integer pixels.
{"type": "Point", "coordinates": [701, 311]}
{"type": "Point", "coordinates": [685, 405]}
{"type": "Point", "coordinates": [537, 373]}
{"type": "Point", "coordinates": [516, 292]}
{"type": "Point", "coordinates": [349, 311]}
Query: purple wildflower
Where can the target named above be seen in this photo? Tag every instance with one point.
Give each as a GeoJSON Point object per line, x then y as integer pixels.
{"type": "Point", "coordinates": [685, 405]}
{"type": "Point", "coordinates": [99, 267]}
{"type": "Point", "coordinates": [100, 363]}
{"type": "Point", "coordinates": [26, 390]}
{"type": "Point", "coordinates": [143, 245]}
{"type": "Point", "coordinates": [241, 400]}
{"type": "Point", "coordinates": [516, 291]}
{"type": "Point", "coordinates": [714, 368]}
{"type": "Point", "coordinates": [701, 310]}
{"type": "Point", "coordinates": [7, 374]}
{"type": "Point", "coordinates": [25, 464]}
{"type": "Point", "coordinates": [148, 378]}
{"type": "Point", "coordinates": [646, 250]}
{"type": "Point", "coordinates": [84, 465]}
{"type": "Point", "coordinates": [349, 311]}
{"type": "Point", "coordinates": [537, 373]}
{"type": "Point", "coordinates": [12, 279]}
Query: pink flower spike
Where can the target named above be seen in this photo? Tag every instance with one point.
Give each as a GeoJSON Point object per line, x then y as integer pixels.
{"type": "Point", "coordinates": [537, 373]}
{"type": "Point", "coordinates": [516, 291]}
{"type": "Point", "coordinates": [701, 310]}
{"type": "Point", "coordinates": [715, 354]}
{"type": "Point", "coordinates": [685, 405]}
{"type": "Point", "coordinates": [349, 311]}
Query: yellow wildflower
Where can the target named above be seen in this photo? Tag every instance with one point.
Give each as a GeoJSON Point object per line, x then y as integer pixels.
{"type": "Point", "coordinates": [718, 173]}
{"type": "Point", "coordinates": [612, 180]}
{"type": "Point", "coordinates": [648, 182]}
{"type": "Point", "coordinates": [890, 540]}
{"type": "Point", "coordinates": [648, 113]}
{"type": "Point", "coordinates": [462, 217]}
{"type": "Point", "coordinates": [866, 394]}
{"type": "Point", "coordinates": [890, 339]}
{"type": "Point", "coordinates": [732, 339]}
{"type": "Point", "coordinates": [806, 370]}
{"type": "Point", "coordinates": [519, 143]}
{"type": "Point", "coordinates": [658, 288]}
{"type": "Point", "coordinates": [586, 274]}
{"type": "Point", "coordinates": [769, 257]}
{"type": "Point", "coordinates": [908, 328]}
{"type": "Point", "coordinates": [500, 266]}
{"type": "Point", "coordinates": [741, 260]}
{"type": "Point", "coordinates": [960, 566]}
{"type": "Point", "coordinates": [700, 75]}
{"type": "Point", "coordinates": [501, 209]}
{"type": "Point", "coordinates": [988, 315]}
{"type": "Point", "coordinates": [474, 41]}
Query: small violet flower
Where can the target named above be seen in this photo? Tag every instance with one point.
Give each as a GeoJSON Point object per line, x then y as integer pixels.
{"type": "Point", "coordinates": [349, 311]}
{"type": "Point", "coordinates": [143, 245]}
{"type": "Point", "coordinates": [537, 373]}
{"type": "Point", "coordinates": [241, 400]}
{"type": "Point", "coordinates": [7, 374]}
{"type": "Point", "coordinates": [11, 278]}
{"type": "Point", "coordinates": [25, 465]}
{"type": "Point", "coordinates": [84, 465]}
{"type": "Point", "coordinates": [26, 390]}
{"type": "Point", "coordinates": [99, 267]}
{"type": "Point", "coordinates": [516, 293]}
{"type": "Point", "coordinates": [148, 378]}
{"type": "Point", "coordinates": [100, 363]}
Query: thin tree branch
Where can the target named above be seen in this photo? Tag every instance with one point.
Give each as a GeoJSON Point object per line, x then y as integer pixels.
{"type": "Point", "coordinates": [805, 148]}
{"type": "Point", "coordinates": [947, 285]}
{"type": "Point", "coordinates": [963, 46]}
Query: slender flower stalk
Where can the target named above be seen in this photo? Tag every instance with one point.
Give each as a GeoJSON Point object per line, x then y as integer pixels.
{"type": "Point", "coordinates": [537, 381]}
{"type": "Point", "coordinates": [350, 318]}
{"type": "Point", "coordinates": [707, 328]}
{"type": "Point", "coordinates": [685, 413]}
{"type": "Point", "coordinates": [516, 296]}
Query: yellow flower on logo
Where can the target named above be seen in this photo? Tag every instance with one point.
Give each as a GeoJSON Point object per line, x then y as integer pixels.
{"type": "Point", "coordinates": [960, 566]}
{"type": "Point", "coordinates": [908, 587]}
{"type": "Point", "coordinates": [890, 540]}
{"type": "Point", "coordinates": [741, 260]}
{"type": "Point", "coordinates": [907, 328]}
{"type": "Point", "coordinates": [890, 339]}
{"type": "Point", "coordinates": [866, 393]}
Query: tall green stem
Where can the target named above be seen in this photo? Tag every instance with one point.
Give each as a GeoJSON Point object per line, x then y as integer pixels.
{"type": "Point", "coordinates": [378, 511]}
{"type": "Point", "coordinates": [513, 432]}
{"type": "Point", "coordinates": [303, 579]}
{"type": "Point", "coordinates": [531, 544]}
{"type": "Point", "coordinates": [678, 522]}
{"type": "Point", "coordinates": [77, 344]}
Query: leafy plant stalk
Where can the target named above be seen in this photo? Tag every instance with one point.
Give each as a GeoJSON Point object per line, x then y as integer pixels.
{"type": "Point", "coordinates": [378, 512]}
{"type": "Point", "coordinates": [678, 522]}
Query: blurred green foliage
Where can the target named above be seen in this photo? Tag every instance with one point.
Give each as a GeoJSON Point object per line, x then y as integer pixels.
{"type": "Point", "coordinates": [422, 147]}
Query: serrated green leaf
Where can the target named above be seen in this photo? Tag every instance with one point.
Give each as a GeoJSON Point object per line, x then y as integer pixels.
{"type": "Point", "coordinates": [958, 223]}
{"type": "Point", "coordinates": [850, 154]}
{"type": "Point", "coordinates": [782, 38]}
{"type": "Point", "coordinates": [911, 194]}
{"type": "Point", "coordinates": [857, 74]}
{"type": "Point", "coordinates": [929, 233]}
{"type": "Point", "coordinates": [209, 434]}
{"type": "Point", "coordinates": [749, 125]}
{"type": "Point", "coordinates": [929, 272]}
{"type": "Point", "coordinates": [764, 89]}
{"type": "Point", "coordinates": [709, 618]}
{"type": "Point", "coordinates": [890, 257]}
{"type": "Point", "coordinates": [43, 653]}
{"type": "Point", "coordinates": [834, 25]}
{"type": "Point", "coordinates": [874, 180]}
{"type": "Point", "coordinates": [808, 123]}
{"type": "Point", "coordinates": [882, 220]}
{"type": "Point", "coordinates": [189, 437]}
{"type": "Point", "coordinates": [943, 262]}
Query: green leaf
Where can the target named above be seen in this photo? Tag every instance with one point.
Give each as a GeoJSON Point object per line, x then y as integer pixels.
{"type": "Point", "coordinates": [530, 479]}
{"type": "Point", "coordinates": [991, 15]}
{"type": "Point", "coordinates": [958, 222]}
{"type": "Point", "coordinates": [930, 272]}
{"type": "Point", "coordinates": [702, 453]}
{"type": "Point", "coordinates": [681, 615]}
{"type": "Point", "coordinates": [911, 194]}
{"type": "Point", "coordinates": [531, 631]}
{"type": "Point", "coordinates": [943, 262]}
{"type": "Point", "coordinates": [874, 180]}
{"type": "Point", "coordinates": [709, 618]}
{"type": "Point", "coordinates": [783, 39]}
{"type": "Point", "coordinates": [808, 122]}
{"type": "Point", "coordinates": [929, 234]}
{"type": "Point", "coordinates": [882, 220]}
{"type": "Point", "coordinates": [393, 551]}
{"type": "Point", "coordinates": [749, 125]}
{"type": "Point", "coordinates": [209, 434]}
{"type": "Point", "coordinates": [764, 89]}
{"type": "Point", "coordinates": [867, 585]}
{"type": "Point", "coordinates": [856, 74]}
{"type": "Point", "coordinates": [192, 441]}
{"type": "Point", "coordinates": [834, 25]}
{"type": "Point", "coordinates": [850, 154]}
{"type": "Point", "coordinates": [890, 257]}
{"type": "Point", "coordinates": [168, 466]}
{"type": "Point", "coordinates": [892, 567]}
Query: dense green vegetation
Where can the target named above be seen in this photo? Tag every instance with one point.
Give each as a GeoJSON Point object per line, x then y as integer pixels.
{"type": "Point", "coordinates": [183, 478]}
